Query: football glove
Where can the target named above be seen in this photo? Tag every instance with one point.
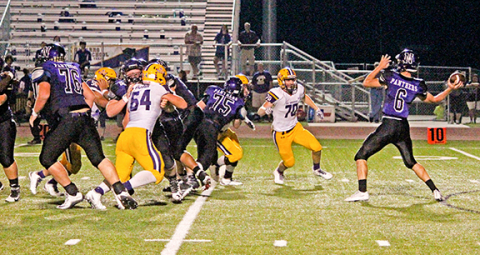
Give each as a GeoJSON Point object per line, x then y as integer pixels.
{"type": "Point", "coordinates": [249, 123]}
{"type": "Point", "coordinates": [319, 113]}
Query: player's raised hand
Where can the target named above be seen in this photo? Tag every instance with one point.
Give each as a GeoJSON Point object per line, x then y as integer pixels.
{"type": "Point", "coordinates": [385, 61]}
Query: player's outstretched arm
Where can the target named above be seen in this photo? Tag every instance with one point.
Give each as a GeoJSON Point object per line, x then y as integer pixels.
{"type": "Point", "coordinates": [266, 108]}
{"type": "Point", "coordinates": [179, 102]}
{"type": "Point", "coordinates": [451, 86]}
{"type": "Point", "coordinates": [371, 81]}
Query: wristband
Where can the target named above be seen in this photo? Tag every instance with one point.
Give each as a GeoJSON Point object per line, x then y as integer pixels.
{"type": "Point", "coordinates": [103, 91]}
{"type": "Point", "coordinates": [34, 114]}
{"type": "Point", "coordinates": [125, 98]}
{"type": "Point", "coordinates": [263, 108]}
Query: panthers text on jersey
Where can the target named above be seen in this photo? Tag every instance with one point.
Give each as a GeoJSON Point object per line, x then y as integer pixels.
{"type": "Point", "coordinates": [401, 91]}
{"type": "Point", "coordinates": [285, 107]}
{"type": "Point", "coordinates": [221, 107]}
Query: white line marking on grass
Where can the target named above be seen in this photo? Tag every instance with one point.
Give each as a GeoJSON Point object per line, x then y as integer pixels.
{"type": "Point", "coordinates": [186, 240]}
{"type": "Point", "coordinates": [474, 181]}
{"type": "Point", "coordinates": [429, 157]}
{"type": "Point", "coordinates": [280, 243]}
{"type": "Point", "coordinates": [72, 242]}
{"type": "Point", "coordinates": [21, 177]}
{"type": "Point", "coordinates": [408, 180]}
{"type": "Point", "coordinates": [85, 178]}
{"type": "Point", "coordinates": [382, 243]}
{"type": "Point", "coordinates": [22, 145]}
{"type": "Point", "coordinates": [464, 153]}
{"type": "Point", "coordinates": [183, 227]}
{"type": "Point", "coordinates": [345, 180]}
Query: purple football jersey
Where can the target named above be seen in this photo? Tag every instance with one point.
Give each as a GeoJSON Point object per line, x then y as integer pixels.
{"type": "Point", "coordinates": [401, 91]}
{"type": "Point", "coordinates": [222, 107]}
{"type": "Point", "coordinates": [65, 85]}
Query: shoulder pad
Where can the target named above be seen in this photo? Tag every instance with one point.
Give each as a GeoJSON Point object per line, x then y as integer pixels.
{"type": "Point", "coordinates": [39, 75]}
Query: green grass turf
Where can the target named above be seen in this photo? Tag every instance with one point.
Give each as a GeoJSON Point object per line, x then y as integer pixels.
{"type": "Point", "coordinates": [308, 212]}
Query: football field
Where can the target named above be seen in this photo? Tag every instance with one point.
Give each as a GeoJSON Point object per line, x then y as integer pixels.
{"type": "Point", "coordinates": [307, 215]}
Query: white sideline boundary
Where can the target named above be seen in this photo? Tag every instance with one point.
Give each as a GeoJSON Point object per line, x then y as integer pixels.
{"type": "Point", "coordinates": [172, 247]}
{"type": "Point", "coordinates": [465, 153]}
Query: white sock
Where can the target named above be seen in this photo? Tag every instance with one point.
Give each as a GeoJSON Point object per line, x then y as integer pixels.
{"type": "Point", "coordinates": [104, 187]}
{"type": "Point", "coordinates": [221, 161]}
{"type": "Point", "coordinates": [142, 178]}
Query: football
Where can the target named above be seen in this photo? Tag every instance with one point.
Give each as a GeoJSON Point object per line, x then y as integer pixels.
{"type": "Point", "coordinates": [301, 115]}
{"type": "Point", "coordinates": [457, 76]}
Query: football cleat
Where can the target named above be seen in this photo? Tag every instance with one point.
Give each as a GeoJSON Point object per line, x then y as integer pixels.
{"type": "Point", "coordinates": [35, 180]}
{"type": "Point", "coordinates": [193, 182]}
{"type": "Point", "coordinates": [279, 177]}
{"type": "Point", "coordinates": [125, 201]}
{"type": "Point", "coordinates": [438, 196]}
{"type": "Point", "coordinates": [52, 189]}
{"type": "Point", "coordinates": [324, 174]}
{"type": "Point", "coordinates": [14, 195]}
{"type": "Point", "coordinates": [95, 200]}
{"type": "Point", "coordinates": [71, 201]}
{"type": "Point", "coordinates": [358, 196]}
{"type": "Point", "coordinates": [230, 182]}
{"type": "Point", "coordinates": [185, 188]}
{"type": "Point", "coordinates": [176, 191]}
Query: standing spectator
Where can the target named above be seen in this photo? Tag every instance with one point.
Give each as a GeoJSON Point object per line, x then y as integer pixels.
{"type": "Point", "coordinates": [38, 53]}
{"type": "Point", "coordinates": [83, 58]}
{"type": "Point", "coordinates": [473, 98]}
{"type": "Point", "coordinates": [25, 84]}
{"type": "Point", "coordinates": [456, 104]}
{"type": "Point", "coordinates": [194, 42]}
{"type": "Point", "coordinates": [248, 37]}
{"type": "Point", "coordinates": [56, 39]}
{"type": "Point", "coordinates": [262, 82]}
{"type": "Point", "coordinates": [224, 39]}
{"type": "Point", "coordinates": [376, 101]}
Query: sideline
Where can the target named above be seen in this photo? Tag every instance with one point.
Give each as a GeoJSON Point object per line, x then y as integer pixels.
{"type": "Point", "coordinates": [183, 227]}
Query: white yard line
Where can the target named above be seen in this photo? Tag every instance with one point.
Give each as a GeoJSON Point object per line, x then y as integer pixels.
{"type": "Point", "coordinates": [465, 153]}
{"type": "Point", "coordinates": [183, 227]}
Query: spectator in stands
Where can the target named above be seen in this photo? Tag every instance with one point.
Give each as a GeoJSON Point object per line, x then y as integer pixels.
{"type": "Point", "coordinates": [65, 13]}
{"type": "Point", "coordinates": [455, 106]}
{"type": "Point", "coordinates": [248, 40]}
{"type": "Point", "coordinates": [262, 82]}
{"type": "Point", "coordinates": [194, 42]}
{"type": "Point", "coordinates": [38, 53]}
{"type": "Point", "coordinates": [83, 58]}
{"type": "Point", "coordinates": [223, 39]}
{"type": "Point", "coordinates": [56, 39]}
{"type": "Point", "coordinates": [473, 99]}
{"type": "Point", "coordinates": [25, 84]}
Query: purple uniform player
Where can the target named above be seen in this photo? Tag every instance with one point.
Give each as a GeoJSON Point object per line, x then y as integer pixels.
{"type": "Point", "coordinates": [402, 89]}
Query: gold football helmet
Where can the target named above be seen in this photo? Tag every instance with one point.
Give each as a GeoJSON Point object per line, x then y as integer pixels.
{"type": "Point", "coordinates": [243, 78]}
{"type": "Point", "coordinates": [287, 73]}
{"type": "Point", "coordinates": [105, 73]}
{"type": "Point", "coordinates": [155, 72]}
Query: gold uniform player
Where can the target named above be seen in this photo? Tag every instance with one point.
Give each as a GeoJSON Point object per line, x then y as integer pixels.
{"type": "Point", "coordinates": [135, 144]}
{"type": "Point", "coordinates": [283, 103]}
